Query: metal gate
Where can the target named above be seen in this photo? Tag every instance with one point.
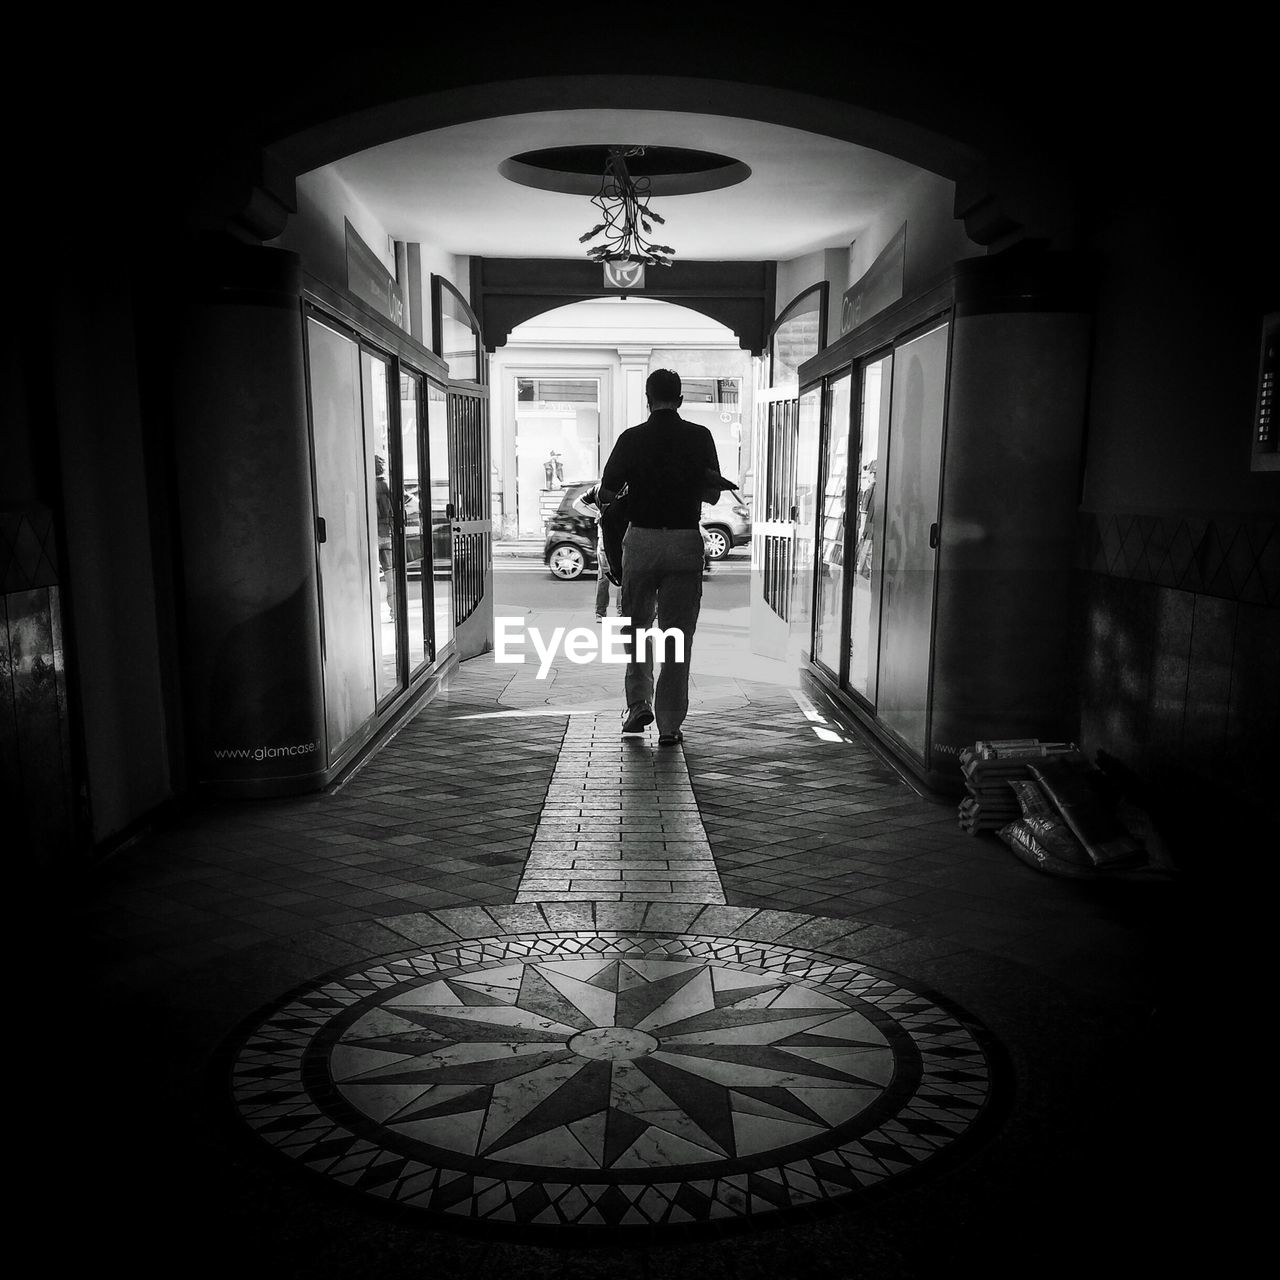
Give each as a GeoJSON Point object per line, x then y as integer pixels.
{"type": "Point", "coordinates": [472, 521]}
{"type": "Point", "coordinates": [782, 524]}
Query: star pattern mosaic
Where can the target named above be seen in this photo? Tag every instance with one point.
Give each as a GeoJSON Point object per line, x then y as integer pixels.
{"type": "Point", "coordinates": [613, 1080]}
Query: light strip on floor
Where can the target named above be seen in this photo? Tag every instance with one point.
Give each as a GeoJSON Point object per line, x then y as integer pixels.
{"type": "Point", "coordinates": [620, 823]}
{"type": "Point", "coordinates": [812, 713]}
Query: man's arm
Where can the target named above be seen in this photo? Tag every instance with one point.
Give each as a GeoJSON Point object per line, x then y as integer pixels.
{"type": "Point", "coordinates": [712, 468]}
{"type": "Point", "coordinates": [614, 476]}
{"type": "Point", "coordinates": [588, 504]}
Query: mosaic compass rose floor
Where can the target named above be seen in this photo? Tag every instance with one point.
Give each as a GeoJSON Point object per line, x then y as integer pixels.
{"type": "Point", "coordinates": [623, 1080]}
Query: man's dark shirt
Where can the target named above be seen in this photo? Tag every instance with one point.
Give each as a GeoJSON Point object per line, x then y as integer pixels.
{"type": "Point", "coordinates": [664, 464]}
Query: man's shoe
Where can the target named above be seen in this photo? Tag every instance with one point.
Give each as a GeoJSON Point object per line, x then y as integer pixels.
{"type": "Point", "coordinates": [670, 739]}
{"type": "Point", "coordinates": [635, 718]}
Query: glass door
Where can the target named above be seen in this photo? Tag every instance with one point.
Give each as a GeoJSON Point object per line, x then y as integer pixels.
{"type": "Point", "coordinates": [417, 517]}
{"type": "Point", "coordinates": [772, 525]}
{"type": "Point", "coordinates": [343, 533]}
{"type": "Point", "coordinates": [828, 619]}
{"type": "Point", "coordinates": [804, 524]}
{"type": "Point", "coordinates": [386, 520]}
{"type": "Point", "coordinates": [785, 470]}
{"type": "Point", "coordinates": [916, 408]}
{"type": "Point", "coordinates": [441, 517]}
{"type": "Point", "coordinates": [865, 571]}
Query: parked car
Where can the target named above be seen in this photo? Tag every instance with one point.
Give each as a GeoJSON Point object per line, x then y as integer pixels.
{"type": "Point", "coordinates": [725, 524]}
{"type": "Point", "coordinates": [569, 549]}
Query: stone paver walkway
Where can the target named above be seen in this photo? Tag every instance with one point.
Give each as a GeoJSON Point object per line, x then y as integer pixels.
{"type": "Point", "coordinates": [620, 823]}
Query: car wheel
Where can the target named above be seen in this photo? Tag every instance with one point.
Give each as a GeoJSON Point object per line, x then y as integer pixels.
{"type": "Point", "coordinates": [567, 561]}
{"type": "Point", "coordinates": [718, 544]}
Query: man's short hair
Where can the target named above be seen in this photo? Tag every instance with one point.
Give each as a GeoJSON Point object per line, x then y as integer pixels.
{"type": "Point", "coordinates": [663, 386]}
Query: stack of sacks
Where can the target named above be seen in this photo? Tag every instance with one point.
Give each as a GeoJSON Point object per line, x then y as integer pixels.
{"type": "Point", "coordinates": [989, 767]}
{"type": "Point", "coordinates": [1068, 825]}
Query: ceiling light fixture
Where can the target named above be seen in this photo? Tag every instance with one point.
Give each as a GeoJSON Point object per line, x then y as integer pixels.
{"type": "Point", "coordinates": [623, 200]}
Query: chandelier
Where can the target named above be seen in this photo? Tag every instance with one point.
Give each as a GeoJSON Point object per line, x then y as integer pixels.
{"type": "Point", "coordinates": [623, 201]}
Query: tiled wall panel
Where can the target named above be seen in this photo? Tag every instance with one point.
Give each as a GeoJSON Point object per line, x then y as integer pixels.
{"type": "Point", "coordinates": [1178, 657]}
{"type": "Point", "coordinates": [28, 555]}
{"type": "Point", "coordinates": [1253, 710]}
{"type": "Point", "coordinates": [35, 727]}
{"type": "Point", "coordinates": [1170, 664]}
{"type": "Point", "coordinates": [10, 777]}
{"type": "Point", "coordinates": [1230, 558]}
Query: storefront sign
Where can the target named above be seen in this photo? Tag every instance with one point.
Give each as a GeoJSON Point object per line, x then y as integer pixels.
{"type": "Point", "coordinates": [880, 285]}
{"type": "Point", "coordinates": [370, 281]}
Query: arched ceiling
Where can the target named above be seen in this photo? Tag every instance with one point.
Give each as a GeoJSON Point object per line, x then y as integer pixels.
{"type": "Point", "coordinates": [806, 191]}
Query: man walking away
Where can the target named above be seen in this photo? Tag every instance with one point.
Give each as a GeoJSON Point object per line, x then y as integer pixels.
{"type": "Point", "coordinates": [669, 467]}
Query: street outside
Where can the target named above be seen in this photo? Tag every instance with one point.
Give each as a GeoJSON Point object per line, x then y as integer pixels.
{"type": "Point", "coordinates": [523, 582]}
{"type": "Point", "coordinates": [524, 588]}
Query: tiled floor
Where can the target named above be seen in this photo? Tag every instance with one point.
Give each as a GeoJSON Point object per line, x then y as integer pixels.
{"type": "Point", "coordinates": [614, 1082]}
{"type": "Point", "coordinates": [283, 1013]}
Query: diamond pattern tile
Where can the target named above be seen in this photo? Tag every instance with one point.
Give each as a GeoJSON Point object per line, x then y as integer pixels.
{"type": "Point", "coordinates": [27, 556]}
{"type": "Point", "coordinates": [1231, 559]}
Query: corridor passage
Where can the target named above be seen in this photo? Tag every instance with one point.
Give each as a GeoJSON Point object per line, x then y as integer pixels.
{"type": "Point", "coordinates": [747, 1007]}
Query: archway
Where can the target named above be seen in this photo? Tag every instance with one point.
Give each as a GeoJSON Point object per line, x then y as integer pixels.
{"type": "Point", "coordinates": [571, 379]}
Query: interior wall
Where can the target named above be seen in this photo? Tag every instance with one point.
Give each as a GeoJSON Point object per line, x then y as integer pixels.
{"type": "Point", "coordinates": [935, 238]}
{"type": "Point", "coordinates": [452, 267]}
{"type": "Point", "coordinates": [37, 766]}
{"type": "Point", "coordinates": [1179, 611]}
{"type": "Point", "coordinates": [796, 275]}
{"type": "Point", "coordinates": [317, 231]}
{"type": "Point", "coordinates": [116, 652]}
{"type": "Point", "coordinates": [1176, 361]}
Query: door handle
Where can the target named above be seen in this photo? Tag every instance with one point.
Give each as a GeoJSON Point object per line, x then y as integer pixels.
{"type": "Point", "coordinates": [795, 514]}
{"type": "Point", "coordinates": [450, 511]}
{"type": "Point", "coordinates": [933, 536]}
{"type": "Point", "coordinates": [322, 530]}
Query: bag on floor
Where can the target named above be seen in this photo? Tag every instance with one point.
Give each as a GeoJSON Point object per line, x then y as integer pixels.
{"type": "Point", "coordinates": [1042, 838]}
{"type": "Point", "coordinates": [1027, 848]}
{"type": "Point", "coordinates": [1077, 792]}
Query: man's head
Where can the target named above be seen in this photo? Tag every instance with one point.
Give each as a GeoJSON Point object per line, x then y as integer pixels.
{"type": "Point", "coordinates": [662, 390]}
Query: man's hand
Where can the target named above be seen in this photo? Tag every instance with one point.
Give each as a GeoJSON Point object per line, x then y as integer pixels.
{"type": "Point", "coordinates": [716, 484]}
